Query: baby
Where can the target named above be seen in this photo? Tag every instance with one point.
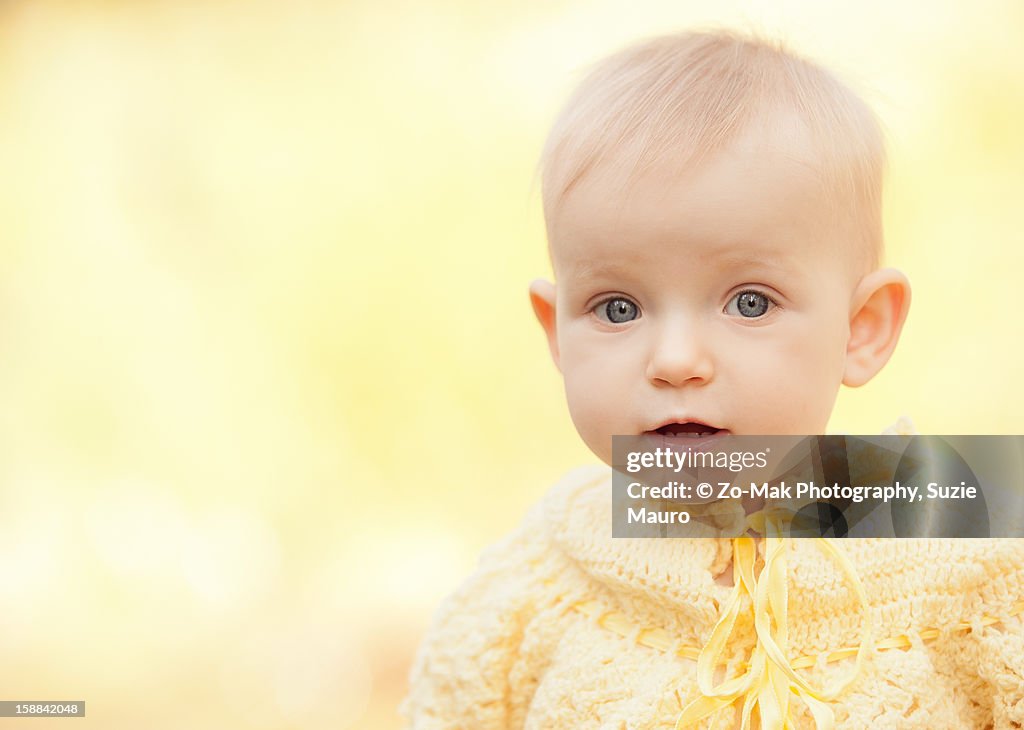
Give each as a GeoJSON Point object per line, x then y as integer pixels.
{"type": "Point", "coordinates": [713, 208]}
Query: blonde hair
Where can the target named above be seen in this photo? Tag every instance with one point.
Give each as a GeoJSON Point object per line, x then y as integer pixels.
{"type": "Point", "coordinates": [685, 96]}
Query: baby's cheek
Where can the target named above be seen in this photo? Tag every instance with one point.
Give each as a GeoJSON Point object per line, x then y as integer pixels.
{"type": "Point", "coordinates": [790, 408]}
{"type": "Point", "coordinates": [589, 409]}
{"type": "Point", "coordinates": [596, 415]}
{"type": "Point", "coordinates": [806, 390]}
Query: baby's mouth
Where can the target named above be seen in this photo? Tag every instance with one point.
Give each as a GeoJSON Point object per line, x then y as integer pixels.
{"type": "Point", "coordinates": [688, 430]}
{"type": "Point", "coordinates": [684, 436]}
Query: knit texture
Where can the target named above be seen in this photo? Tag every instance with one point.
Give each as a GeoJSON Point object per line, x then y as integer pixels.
{"type": "Point", "coordinates": [563, 626]}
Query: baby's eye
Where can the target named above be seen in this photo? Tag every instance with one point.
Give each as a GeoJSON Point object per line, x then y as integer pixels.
{"type": "Point", "coordinates": [750, 304]}
{"type": "Point", "coordinates": [617, 310]}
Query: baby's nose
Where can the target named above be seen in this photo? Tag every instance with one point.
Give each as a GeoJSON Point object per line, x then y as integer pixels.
{"type": "Point", "coordinates": [680, 354]}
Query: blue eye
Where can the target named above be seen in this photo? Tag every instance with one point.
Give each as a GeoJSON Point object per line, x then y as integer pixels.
{"type": "Point", "coordinates": [617, 310]}
{"type": "Point", "coordinates": [750, 304]}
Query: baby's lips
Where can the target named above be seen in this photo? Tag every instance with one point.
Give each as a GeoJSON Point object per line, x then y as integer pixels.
{"type": "Point", "coordinates": [681, 429]}
{"type": "Point", "coordinates": [687, 429]}
{"type": "Point", "coordinates": [688, 439]}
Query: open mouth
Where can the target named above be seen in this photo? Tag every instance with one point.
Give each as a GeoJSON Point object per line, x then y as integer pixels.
{"type": "Point", "coordinates": [688, 430]}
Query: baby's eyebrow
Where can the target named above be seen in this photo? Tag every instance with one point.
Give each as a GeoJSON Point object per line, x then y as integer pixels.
{"type": "Point", "coordinates": [594, 269]}
{"type": "Point", "coordinates": [762, 259]}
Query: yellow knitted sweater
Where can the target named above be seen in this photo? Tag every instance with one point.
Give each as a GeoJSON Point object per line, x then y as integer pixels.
{"type": "Point", "coordinates": [563, 626]}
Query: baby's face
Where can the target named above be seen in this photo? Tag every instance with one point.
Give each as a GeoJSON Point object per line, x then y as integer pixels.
{"type": "Point", "coordinates": [717, 300]}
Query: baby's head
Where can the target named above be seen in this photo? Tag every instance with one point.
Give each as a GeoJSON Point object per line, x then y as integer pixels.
{"type": "Point", "coordinates": [713, 208]}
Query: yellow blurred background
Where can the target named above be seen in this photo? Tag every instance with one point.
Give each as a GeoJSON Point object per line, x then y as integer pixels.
{"type": "Point", "coordinates": [269, 375]}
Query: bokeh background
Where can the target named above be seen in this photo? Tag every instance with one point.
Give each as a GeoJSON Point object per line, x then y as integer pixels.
{"type": "Point", "coordinates": [268, 372]}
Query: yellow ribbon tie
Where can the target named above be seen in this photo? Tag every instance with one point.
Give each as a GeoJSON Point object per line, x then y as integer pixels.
{"type": "Point", "coordinates": [769, 679]}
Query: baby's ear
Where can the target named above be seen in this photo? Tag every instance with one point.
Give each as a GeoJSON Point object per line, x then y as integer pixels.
{"type": "Point", "coordinates": [542, 297]}
{"type": "Point", "coordinates": [880, 305]}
